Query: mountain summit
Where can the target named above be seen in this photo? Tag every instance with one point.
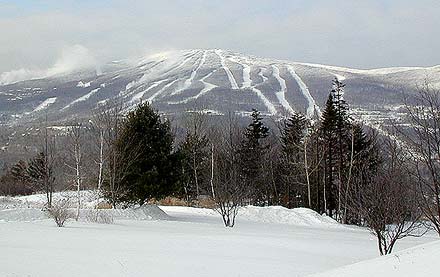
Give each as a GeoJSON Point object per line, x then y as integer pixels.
{"type": "Point", "coordinates": [215, 81]}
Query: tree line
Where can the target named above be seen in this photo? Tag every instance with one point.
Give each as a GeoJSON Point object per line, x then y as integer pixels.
{"type": "Point", "coordinates": [331, 163]}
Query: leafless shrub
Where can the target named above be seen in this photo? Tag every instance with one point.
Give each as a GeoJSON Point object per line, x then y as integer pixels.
{"type": "Point", "coordinates": [230, 192]}
{"type": "Point", "coordinates": [99, 216]}
{"type": "Point", "coordinates": [423, 139]}
{"type": "Point", "coordinates": [387, 203]}
{"type": "Point", "coordinates": [61, 211]}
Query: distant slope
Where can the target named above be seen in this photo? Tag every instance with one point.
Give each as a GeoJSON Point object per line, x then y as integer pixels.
{"type": "Point", "coordinates": [213, 79]}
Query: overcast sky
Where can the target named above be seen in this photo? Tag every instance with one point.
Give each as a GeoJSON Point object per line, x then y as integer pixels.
{"type": "Point", "coordinates": [51, 34]}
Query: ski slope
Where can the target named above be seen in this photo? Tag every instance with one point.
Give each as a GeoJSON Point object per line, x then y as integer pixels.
{"type": "Point", "coordinates": [221, 80]}
{"type": "Point", "coordinates": [45, 104]}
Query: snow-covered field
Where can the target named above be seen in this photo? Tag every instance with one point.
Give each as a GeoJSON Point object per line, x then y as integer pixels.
{"type": "Point", "coordinates": [271, 241]}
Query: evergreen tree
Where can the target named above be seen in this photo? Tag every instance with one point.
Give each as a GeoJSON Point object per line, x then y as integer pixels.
{"type": "Point", "coordinates": [329, 139]}
{"type": "Point", "coordinates": [335, 129]}
{"type": "Point", "coordinates": [252, 152]}
{"type": "Point", "coordinates": [20, 171]}
{"type": "Point", "coordinates": [292, 142]}
{"type": "Point", "coordinates": [366, 161]}
{"type": "Point", "coordinates": [147, 139]}
{"type": "Point", "coordinates": [41, 175]}
{"type": "Point", "coordinates": [343, 128]}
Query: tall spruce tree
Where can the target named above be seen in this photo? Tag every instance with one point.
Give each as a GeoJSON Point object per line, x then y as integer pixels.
{"type": "Point", "coordinates": [292, 142]}
{"type": "Point", "coordinates": [41, 175]}
{"type": "Point", "coordinates": [252, 152]}
{"type": "Point", "coordinates": [329, 139]}
{"type": "Point", "coordinates": [343, 129]}
{"type": "Point", "coordinates": [366, 161]}
{"type": "Point", "coordinates": [335, 129]}
{"type": "Point", "coordinates": [20, 171]}
{"type": "Point", "coordinates": [147, 138]}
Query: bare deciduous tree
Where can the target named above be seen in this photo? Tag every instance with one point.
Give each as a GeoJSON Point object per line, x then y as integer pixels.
{"type": "Point", "coordinates": [113, 163]}
{"type": "Point", "coordinates": [387, 203]}
{"type": "Point", "coordinates": [41, 169]}
{"type": "Point", "coordinates": [423, 138]}
{"type": "Point", "coordinates": [75, 161]}
{"type": "Point", "coordinates": [229, 190]}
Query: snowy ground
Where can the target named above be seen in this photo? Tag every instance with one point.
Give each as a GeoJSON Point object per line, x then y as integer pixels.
{"type": "Point", "coordinates": [192, 242]}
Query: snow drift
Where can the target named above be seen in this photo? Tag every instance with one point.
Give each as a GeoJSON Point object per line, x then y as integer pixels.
{"type": "Point", "coordinates": [30, 208]}
{"type": "Point", "coordinates": [271, 214]}
{"type": "Point", "coordinates": [417, 261]}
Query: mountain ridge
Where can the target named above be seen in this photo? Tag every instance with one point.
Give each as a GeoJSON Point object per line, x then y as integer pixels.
{"type": "Point", "coordinates": [214, 79]}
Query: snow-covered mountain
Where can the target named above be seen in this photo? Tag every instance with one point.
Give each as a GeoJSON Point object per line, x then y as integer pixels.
{"type": "Point", "coordinates": [215, 81]}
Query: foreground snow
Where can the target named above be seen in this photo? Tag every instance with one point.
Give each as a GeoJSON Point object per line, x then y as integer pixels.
{"type": "Point", "coordinates": [271, 241]}
{"type": "Point", "coordinates": [418, 261]}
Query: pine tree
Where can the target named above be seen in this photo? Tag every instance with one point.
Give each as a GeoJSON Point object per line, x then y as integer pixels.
{"type": "Point", "coordinates": [329, 138]}
{"type": "Point", "coordinates": [366, 161]}
{"type": "Point", "coordinates": [343, 127]}
{"type": "Point", "coordinates": [292, 143]}
{"type": "Point", "coordinates": [147, 141]}
{"type": "Point", "coordinates": [19, 171]}
{"type": "Point", "coordinates": [41, 175]}
{"type": "Point", "coordinates": [252, 154]}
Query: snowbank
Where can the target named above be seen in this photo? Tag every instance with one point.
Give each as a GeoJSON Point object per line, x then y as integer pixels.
{"type": "Point", "coordinates": [88, 198]}
{"type": "Point", "coordinates": [271, 214]}
{"type": "Point", "coordinates": [22, 214]}
{"type": "Point", "coordinates": [417, 261]}
{"type": "Point", "coordinates": [281, 215]}
{"type": "Point", "coordinates": [147, 212]}
{"type": "Point", "coordinates": [30, 208]}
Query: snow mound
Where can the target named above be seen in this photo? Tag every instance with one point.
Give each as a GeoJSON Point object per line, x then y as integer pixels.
{"type": "Point", "coordinates": [146, 212]}
{"type": "Point", "coordinates": [22, 214]}
{"type": "Point", "coordinates": [7, 202]}
{"type": "Point", "coordinates": [417, 261]}
{"type": "Point", "coordinates": [88, 198]}
{"type": "Point", "coordinates": [271, 214]}
{"type": "Point", "coordinates": [281, 215]}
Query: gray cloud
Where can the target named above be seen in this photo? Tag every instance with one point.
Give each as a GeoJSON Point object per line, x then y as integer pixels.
{"type": "Point", "coordinates": [362, 34]}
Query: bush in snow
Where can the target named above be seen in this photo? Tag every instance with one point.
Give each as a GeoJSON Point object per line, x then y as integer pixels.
{"type": "Point", "coordinates": [60, 211]}
{"type": "Point", "coordinates": [99, 216]}
{"type": "Point", "coordinates": [387, 203]}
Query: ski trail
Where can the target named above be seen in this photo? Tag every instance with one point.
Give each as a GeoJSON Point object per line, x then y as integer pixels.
{"type": "Point", "coordinates": [270, 107]}
{"type": "Point", "coordinates": [247, 82]}
{"type": "Point", "coordinates": [262, 76]}
{"type": "Point", "coordinates": [152, 97]}
{"type": "Point", "coordinates": [189, 81]}
{"type": "Point", "coordinates": [207, 88]}
{"type": "Point", "coordinates": [312, 106]}
{"type": "Point", "coordinates": [82, 98]}
{"type": "Point", "coordinates": [226, 69]}
{"type": "Point", "coordinates": [281, 95]}
{"type": "Point", "coordinates": [187, 59]}
{"type": "Point", "coordinates": [138, 96]}
{"type": "Point", "coordinates": [46, 103]}
{"type": "Point", "coordinates": [338, 76]}
{"type": "Point", "coordinates": [145, 78]}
